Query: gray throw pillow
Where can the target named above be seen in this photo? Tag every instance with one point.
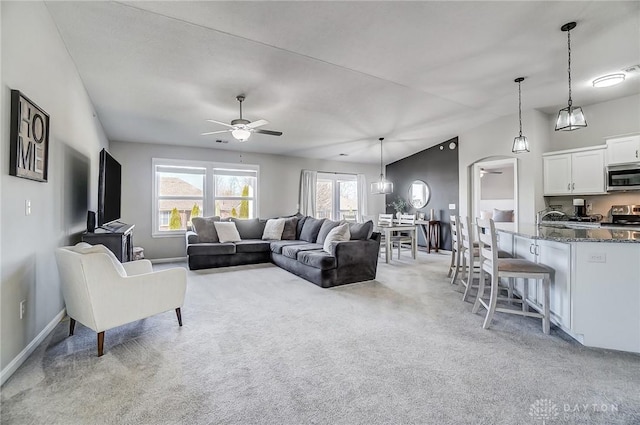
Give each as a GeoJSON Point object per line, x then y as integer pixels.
{"type": "Point", "coordinates": [301, 220]}
{"type": "Point", "coordinates": [290, 226]}
{"type": "Point", "coordinates": [205, 229]}
{"type": "Point", "coordinates": [325, 229]}
{"type": "Point", "coordinates": [310, 229]}
{"type": "Point", "coordinates": [361, 231]}
{"type": "Point", "coordinates": [502, 216]}
{"type": "Point", "coordinates": [252, 228]}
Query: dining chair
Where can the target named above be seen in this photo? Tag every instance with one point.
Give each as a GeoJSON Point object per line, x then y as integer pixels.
{"type": "Point", "coordinates": [508, 268]}
{"type": "Point", "coordinates": [384, 220]}
{"type": "Point", "coordinates": [454, 267]}
{"type": "Point", "coordinates": [405, 237]}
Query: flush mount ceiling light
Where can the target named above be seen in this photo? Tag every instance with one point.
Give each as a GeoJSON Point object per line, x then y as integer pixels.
{"type": "Point", "coordinates": [382, 186]}
{"type": "Point", "coordinates": [570, 118]}
{"type": "Point", "coordinates": [520, 143]}
{"type": "Point", "coordinates": [608, 80]}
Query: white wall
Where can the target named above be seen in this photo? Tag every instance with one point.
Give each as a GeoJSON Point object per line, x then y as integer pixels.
{"type": "Point", "coordinates": [35, 61]}
{"type": "Point", "coordinates": [278, 192]}
{"type": "Point", "coordinates": [494, 140]}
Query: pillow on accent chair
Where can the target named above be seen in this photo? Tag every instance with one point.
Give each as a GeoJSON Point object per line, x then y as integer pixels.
{"type": "Point", "coordinates": [227, 231]}
{"type": "Point", "coordinates": [290, 226]}
{"type": "Point", "coordinates": [361, 231]}
{"type": "Point", "coordinates": [338, 233]}
{"type": "Point", "coordinates": [502, 216]}
{"type": "Point", "coordinates": [205, 229]}
{"type": "Point", "coordinates": [85, 248]}
{"type": "Point", "coordinates": [273, 229]}
{"type": "Point", "coordinates": [310, 229]}
{"type": "Point", "coordinates": [325, 229]}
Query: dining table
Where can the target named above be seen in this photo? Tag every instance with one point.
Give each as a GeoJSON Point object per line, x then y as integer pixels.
{"type": "Point", "coordinates": [389, 229]}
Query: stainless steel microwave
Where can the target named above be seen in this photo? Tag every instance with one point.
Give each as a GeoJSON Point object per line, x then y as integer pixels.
{"type": "Point", "coordinates": [623, 177]}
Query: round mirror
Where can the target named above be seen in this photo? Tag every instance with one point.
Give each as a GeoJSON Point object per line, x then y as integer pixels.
{"type": "Point", "coordinates": [419, 194]}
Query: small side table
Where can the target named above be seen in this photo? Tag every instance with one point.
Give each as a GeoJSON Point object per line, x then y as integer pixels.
{"type": "Point", "coordinates": [433, 235]}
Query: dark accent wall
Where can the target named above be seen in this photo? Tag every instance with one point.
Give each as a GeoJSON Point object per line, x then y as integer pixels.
{"type": "Point", "coordinates": [438, 168]}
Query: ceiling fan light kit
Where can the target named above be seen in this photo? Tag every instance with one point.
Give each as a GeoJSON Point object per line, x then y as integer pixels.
{"type": "Point", "coordinates": [240, 128]}
{"type": "Point", "coordinates": [570, 118]}
{"type": "Point", "coordinates": [382, 186]}
{"type": "Point", "coordinates": [520, 143]}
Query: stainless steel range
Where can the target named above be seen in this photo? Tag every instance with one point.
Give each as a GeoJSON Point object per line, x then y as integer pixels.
{"type": "Point", "coordinates": [624, 215]}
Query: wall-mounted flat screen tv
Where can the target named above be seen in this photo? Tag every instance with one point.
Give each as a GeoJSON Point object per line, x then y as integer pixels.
{"type": "Point", "coordinates": [109, 186]}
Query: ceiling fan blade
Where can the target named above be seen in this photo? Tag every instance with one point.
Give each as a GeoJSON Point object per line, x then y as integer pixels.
{"type": "Point", "coordinates": [214, 132]}
{"type": "Point", "coordinates": [221, 123]}
{"type": "Point", "coordinates": [256, 124]}
{"type": "Point", "coordinates": [269, 132]}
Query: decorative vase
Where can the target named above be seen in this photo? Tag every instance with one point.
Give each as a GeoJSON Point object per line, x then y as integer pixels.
{"type": "Point", "coordinates": [398, 214]}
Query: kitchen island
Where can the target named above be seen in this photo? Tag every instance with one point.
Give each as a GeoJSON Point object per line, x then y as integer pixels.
{"type": "Point", "coordinates": [595, 290]}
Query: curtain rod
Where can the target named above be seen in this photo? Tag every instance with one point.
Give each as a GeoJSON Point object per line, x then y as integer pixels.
{"type": "Point", "coordinates": [337, 172]}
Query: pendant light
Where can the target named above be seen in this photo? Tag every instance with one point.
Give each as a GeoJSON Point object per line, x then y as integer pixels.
{"type": "Point", "coordinates": [382, 186]}
{"type": "Point", "coordinates": [571, 117]}
{"type": "Point", "coordinates": [520, 143]}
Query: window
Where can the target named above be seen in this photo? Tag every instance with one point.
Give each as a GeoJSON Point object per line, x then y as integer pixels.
{"type": "Point", "coordinates": [337, 196]}
{"type": "Point", "coordinates": [185, 189]}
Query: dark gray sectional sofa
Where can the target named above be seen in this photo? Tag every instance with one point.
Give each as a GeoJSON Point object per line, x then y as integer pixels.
{"type": "Point", "coordinates": [301, 253]}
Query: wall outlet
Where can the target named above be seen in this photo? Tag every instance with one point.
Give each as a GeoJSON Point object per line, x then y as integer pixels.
{"type": "Point", "coordinates": [597, 257]}
{"type": "Point", "coordinates": [23, 308]}
{"type": "Point", "coordinates": [27, 207]}
{"type": "Point", "coordinates": [589, 207]}
{"type": "Point", "coordinates": [452, 206]}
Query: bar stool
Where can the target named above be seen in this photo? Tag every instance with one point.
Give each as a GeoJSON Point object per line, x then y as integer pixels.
{"type": "Point", "coordinates": [454, 267]}
{"type": "Point", "coordinates": [508, 268]}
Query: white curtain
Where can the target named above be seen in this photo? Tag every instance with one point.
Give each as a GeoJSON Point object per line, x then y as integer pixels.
{"type": "Point", "coordinates": [308, 180]}
{"type": "Point", "coordinates": [362, 196]}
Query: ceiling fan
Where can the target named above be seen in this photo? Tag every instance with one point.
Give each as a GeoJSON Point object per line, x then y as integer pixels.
{"type": "Point", "coordinates": [241, 129]}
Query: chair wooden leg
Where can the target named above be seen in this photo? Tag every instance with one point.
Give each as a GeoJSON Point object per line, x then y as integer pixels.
{"type": "Point", "coordinates": [476, 305]}
{"type": "Point", "coordinates": [546, 320]}
{"type": "Point", "coordinates": [469, 275]}
{"type": "Point", "coordinates": [100, 343]}
{"type": "Point", "coordinates": [453, 260]}
{"type": "Point", "coordinates": [456, 268]}
{"type": "Point", "coordinates": [72, 325]}
{"type": "Point", "coordinates": [492, 302]}
{"type": "Point", "coordinates": [510, 290]}
{"type": "Point", "coordinates": [179, 315]}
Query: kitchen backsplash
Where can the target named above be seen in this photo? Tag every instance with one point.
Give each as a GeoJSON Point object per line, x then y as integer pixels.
{"type": "Point", "coordinates": [601, 204]}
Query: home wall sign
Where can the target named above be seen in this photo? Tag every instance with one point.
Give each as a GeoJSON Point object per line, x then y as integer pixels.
{"type": "Point", "coordinates": [29, 139]}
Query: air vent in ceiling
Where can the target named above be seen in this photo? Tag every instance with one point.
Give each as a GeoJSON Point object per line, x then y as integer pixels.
{"type": "Point", "coordinates": [633, 68]}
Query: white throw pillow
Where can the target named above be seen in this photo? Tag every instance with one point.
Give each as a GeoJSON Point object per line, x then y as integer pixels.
{"type": "Point", "coordinates": [486, 215]}
{"type": "Point", "coordinates": [273, 229]}
{"type": "Point", "coordinates": [337, 234]}
{"type": "Point", "coordinates": [85, 248]}
{"type": "Point", "coordinates": [227, 231]}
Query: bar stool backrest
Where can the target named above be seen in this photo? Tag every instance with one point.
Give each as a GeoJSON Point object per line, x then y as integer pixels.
{"type": "Point", "coordinates": [455, 232]}
{"type": "Point", "coordinates": [467, 233]}
{"type": "Point", "coordinates": [488, 246]}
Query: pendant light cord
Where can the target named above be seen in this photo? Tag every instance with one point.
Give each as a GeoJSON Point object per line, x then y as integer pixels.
{"type": "Point", "coordinates": [381, 174]}
{"type": "Point", "coordinates": [569, 68]}
{"type": "Point", "coordinates": [520, 107]}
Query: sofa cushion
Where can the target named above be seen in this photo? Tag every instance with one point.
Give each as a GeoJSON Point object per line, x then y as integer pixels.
{"type": "Point", "coordinates": [361, 231]}
{"type": "Point", "coordinates": [252, 245]}
{"type": "Point", "coordinates": [227, 231]}
{"type": "Point", "coordinates": [273, 229]}
{"type": "Point", "coordinates": [310, 229]}
{"type": "Point", "coordinates": [205, 229]}
{"type": "Point", "coordinates": [325, 229]}
{"type": "Point", "coordinates": [318, 259]}
{"type": "Point", "coordinates": [337, 234]}
{"type": "Point", "coordinates": [292, 251]}
{"type": "Point", "coordinates": [276, 246]}
{"type": "Point", "coordinates": [290, 226]}
{"type": "Point", "coordinates": [249, 228]}
{"type": "Point", "coordinates": [211, 249]}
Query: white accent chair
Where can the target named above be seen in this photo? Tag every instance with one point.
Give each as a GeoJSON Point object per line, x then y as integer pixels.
{"type": "Point", "coordinates": [102, 293]}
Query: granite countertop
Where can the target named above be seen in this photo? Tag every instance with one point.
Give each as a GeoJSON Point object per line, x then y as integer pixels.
{"type": "Point", "coordinates": [561, 233]}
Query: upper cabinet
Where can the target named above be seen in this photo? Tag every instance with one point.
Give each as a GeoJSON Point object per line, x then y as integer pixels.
{"type": "Point", "coordinates": [623, 150]}
{"type": "Point", "coordinates": [575, 172]}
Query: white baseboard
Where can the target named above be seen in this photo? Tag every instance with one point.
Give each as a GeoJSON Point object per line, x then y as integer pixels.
{"type": "Point", "coordinates": [168, 260]}
{"type": "Point", "coordinates": [24, 354]}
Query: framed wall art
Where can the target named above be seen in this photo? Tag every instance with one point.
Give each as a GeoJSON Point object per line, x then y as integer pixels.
{"type": "Point", "coordinates": [29, 139]}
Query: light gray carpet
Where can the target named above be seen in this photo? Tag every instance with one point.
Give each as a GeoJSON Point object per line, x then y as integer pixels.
{"type": "Point", "coordinates": [261, 346]}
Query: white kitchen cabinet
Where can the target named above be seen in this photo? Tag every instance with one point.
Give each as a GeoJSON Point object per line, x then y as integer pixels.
{"type": "Point", "coordinates": [557, 255]}
{"type": "Point", "coordinates": [623, 150]}
{"type": "Point", "coordinates": [575, 172]}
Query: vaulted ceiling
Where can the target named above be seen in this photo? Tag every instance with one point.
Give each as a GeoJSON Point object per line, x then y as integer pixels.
{"type": "Point", "coordinates": [335, 76]}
